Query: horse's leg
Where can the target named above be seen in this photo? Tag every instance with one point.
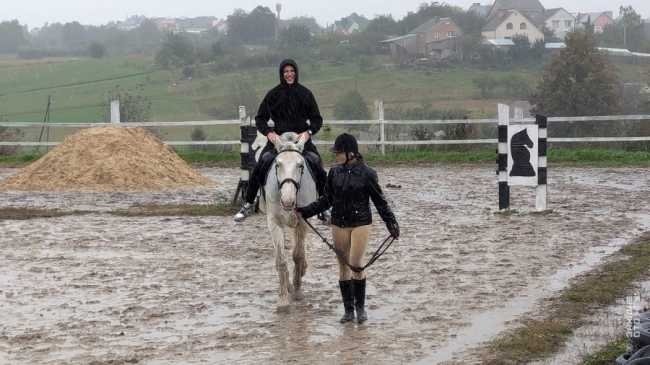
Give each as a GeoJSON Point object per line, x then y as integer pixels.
{"type": "Point", "coordinates": [277, 235]}
{"type": "Point", "coordinates": [299, 260]}
{"type": "Point", "coordinates": [289, 286]}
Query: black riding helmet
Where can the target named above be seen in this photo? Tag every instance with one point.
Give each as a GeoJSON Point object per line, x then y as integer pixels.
{"type": "Point", "coordinates": [345, 143]}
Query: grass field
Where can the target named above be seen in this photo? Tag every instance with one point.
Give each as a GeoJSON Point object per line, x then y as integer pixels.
{"type": "Point", "coordinates": [77, 88]}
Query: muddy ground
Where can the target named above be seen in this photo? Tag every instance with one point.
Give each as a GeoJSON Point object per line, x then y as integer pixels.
{"type": "Point", "coordinates": [104, 289]}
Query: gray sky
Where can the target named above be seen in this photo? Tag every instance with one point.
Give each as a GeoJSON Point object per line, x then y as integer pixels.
{"type": "Point", "coordinates": [36, 12]}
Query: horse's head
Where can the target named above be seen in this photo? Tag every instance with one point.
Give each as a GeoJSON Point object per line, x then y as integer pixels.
{"type": "Point", "coordinates": [289, 167]}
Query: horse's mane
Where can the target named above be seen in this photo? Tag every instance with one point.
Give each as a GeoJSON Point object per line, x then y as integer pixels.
{"type": "Point", "coordinates": [289, 140]}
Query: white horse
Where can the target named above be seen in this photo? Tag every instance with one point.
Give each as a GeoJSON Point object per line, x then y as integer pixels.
{"type": "Point", "coordinates": [288, 185]}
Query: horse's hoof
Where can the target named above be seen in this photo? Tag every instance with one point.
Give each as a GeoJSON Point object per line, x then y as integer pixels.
{"type": "Point", "coordinates": [298, 296]}
{"type": "Point", "coordinates": [284, 309]}
{"type": "Point", "coordinates": [290, 288]}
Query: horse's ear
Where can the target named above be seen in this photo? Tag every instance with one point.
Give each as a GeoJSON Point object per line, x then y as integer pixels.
{"type": "Point", "coordinates": [278, 143]}
{"type": "Point", "coordinates": [300, 143]}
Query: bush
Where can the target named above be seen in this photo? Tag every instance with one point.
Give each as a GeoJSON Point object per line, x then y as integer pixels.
{"type": "Point", "coordinates": [352, 106]}
{"type": "Point", "coordinates": [97, 50]}
{"type": "Point", "coordinates": [9, 135]}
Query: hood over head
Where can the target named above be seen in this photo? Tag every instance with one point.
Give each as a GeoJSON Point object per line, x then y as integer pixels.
{"type": "Point", "coordinates": [285, 63]}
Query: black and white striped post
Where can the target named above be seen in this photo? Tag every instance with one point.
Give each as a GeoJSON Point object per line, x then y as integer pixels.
{"type": "Point", "coordinates": [502, 156]}
{"type": "Point", "coordinates": [248, 135]}
{"type": "Point", "coordinates": [540, 190]}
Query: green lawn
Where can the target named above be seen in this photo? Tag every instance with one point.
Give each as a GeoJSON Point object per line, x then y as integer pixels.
{"type": "Point", "coordinates": [77, 87]}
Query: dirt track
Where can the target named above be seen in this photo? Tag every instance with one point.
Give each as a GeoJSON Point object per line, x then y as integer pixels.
{"type": "Point", "coordinates": [102, 289]}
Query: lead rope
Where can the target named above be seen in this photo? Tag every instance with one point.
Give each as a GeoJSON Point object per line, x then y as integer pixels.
{"type": "Point", "coordinates": [338, 253]}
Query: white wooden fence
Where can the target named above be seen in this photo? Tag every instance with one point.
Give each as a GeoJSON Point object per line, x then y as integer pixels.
{"type": "Point", "coordinates": [379, 121]}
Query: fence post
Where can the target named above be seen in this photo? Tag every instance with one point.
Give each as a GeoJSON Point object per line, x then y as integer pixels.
{"type": "Point", "coordinates": [244, 152]}
{"type": "Point", "coordinates": [115, 111]}
{"type": "Point", "coordinates": [502, 156]}
{"type": "Point", "coordinates": [542, 172]}
{"type": "Point", "coordinates": [379, 114]}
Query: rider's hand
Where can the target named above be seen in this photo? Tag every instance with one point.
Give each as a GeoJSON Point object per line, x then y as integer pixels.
{"type": "Point", "coordinates": [298, 212]}
{"type": "Point", "coordinates": [271, 137]}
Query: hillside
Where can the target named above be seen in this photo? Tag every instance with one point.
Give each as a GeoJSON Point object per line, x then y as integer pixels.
{"type": "Point", "coordinates": [77, 87]}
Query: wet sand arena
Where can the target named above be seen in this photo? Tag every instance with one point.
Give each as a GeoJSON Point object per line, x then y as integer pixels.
{"type": "Point", "coordinates": [104, 289]}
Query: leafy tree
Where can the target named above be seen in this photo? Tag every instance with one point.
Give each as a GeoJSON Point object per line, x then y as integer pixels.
{"type": "Point", "coordinates": [538, 49]}
{"type": "Point", "coordinates": [485, 84]}
{"type": "Point", "coordinates": [258, 26]}
{"type": "Point", "coordinates": [73, 33]}
{"type": "Point", "coordinates": [384, 25]}
{"type": "Point", "coordinates": [429, 11]}
{"type": "Point", "coordinates": [589, 25]}
{"type": "Point", "coordinates": [217, 49]}
{"type": "Point", "coordinates": [242, 93]}
{"type": "Point", "coordinates": [549, 34]}
{"type": "Point", "coordinates": [521, 49]}
{"type": "Point", "coordinates": [644, 100]}
{"type": "Point", "coordinates": [97, 50]}
{"type": "Point", "coordinates": [12, 36]}
{"type": "Point", "coordinates": [351, 106]}
{"type": "Point", "coordinates": [578, 81]}
{"type": "Point", "coordinates": [307, 21]}
{"type": "Point", "coordinates": [632, 24]}
{"type": "Point", "coordinates": [295, 36]}
{"type": "Point", "coordinates": [133, 106]}
{"type": "Point", "coordinates": [176, 52]}
{"type": "Point", "coordinates": [367, 42]}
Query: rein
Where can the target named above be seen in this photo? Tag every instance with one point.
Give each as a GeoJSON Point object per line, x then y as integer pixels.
{"type": "Point", "coordinates": [338, 253]}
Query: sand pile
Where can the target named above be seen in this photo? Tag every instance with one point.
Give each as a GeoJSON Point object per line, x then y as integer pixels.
{"type": "Point", "coordinates": [109, 158]}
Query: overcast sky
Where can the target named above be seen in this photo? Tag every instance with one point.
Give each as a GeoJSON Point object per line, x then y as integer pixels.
{"type": "Point", "coordinates": [36, 12]}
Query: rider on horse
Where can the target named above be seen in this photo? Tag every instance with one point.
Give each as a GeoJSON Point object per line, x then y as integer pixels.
{"type": "Point", "coordinates": [290, 105]}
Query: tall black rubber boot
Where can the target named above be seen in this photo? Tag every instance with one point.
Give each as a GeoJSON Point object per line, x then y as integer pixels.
{"type": "Point", "coordinates": [347, 292]}
{"type": "Point", "coordinates": [360, 299]}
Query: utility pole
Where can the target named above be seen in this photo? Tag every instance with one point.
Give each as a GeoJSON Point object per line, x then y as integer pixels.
{"type": "Point", "coordinates": [625, 32]}
{"type": "Point", "coordinates": [45, 120]}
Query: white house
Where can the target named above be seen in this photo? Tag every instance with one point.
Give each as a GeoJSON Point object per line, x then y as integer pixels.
{"type": "Point", "coordinates": [508, 23]}
{"type": "Point", "coordinates": [560, 21]}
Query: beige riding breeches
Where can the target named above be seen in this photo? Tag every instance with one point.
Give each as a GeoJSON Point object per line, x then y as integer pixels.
{"type": "Point", "coordinates": [352, 242]}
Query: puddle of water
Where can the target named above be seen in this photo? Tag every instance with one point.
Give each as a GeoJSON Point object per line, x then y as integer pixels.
{"type": "Point", "coordinates": [488, 324]}
{"type": "Point", "coordinates": [210, 357]}
{"type": "Point", "coordinates": [5, 279]}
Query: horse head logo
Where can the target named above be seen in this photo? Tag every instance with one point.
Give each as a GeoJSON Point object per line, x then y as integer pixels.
{"type": "Point", "coordinates": [519, 145]}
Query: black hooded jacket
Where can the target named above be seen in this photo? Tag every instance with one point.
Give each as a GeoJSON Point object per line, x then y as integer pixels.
{"type": "Point", "coordinates": [349, 191]}
{"type": "Point", "coordinates": [289, 106]}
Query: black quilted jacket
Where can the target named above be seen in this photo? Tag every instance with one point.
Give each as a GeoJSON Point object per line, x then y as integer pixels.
{"type": "Point", "coordinates": [348, 192]}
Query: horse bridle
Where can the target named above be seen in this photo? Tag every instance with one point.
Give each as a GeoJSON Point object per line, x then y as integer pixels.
{"type": "Point", "coordinates": [294, 182]}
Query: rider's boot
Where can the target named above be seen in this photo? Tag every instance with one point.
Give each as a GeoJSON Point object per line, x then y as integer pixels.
{"type": "Point", "coordinates": [347, 293]}
{"type": "Point", "coordinates": [360, 299]}
{"type": "Point", "coordinates": [243, 212]}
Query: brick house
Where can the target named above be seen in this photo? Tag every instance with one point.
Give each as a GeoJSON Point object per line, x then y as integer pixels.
{"type": "Point", "coordinates": [433, 39]}
{"type": "Point", "coordinates": [598, 20]}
